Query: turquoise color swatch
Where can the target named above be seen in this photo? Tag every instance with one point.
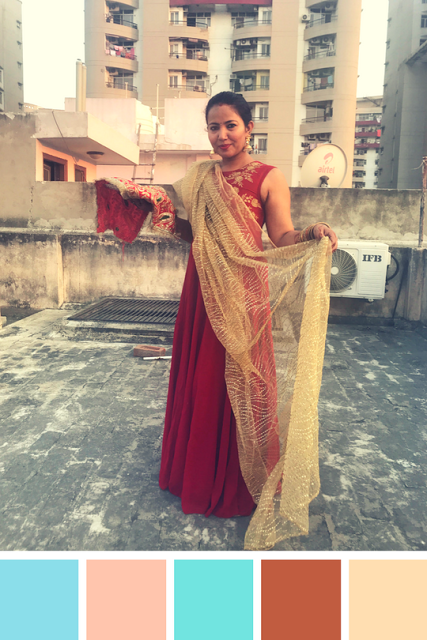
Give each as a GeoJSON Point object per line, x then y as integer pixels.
{"type": "Point", "coordinates": [213, 599]}
{"type": "Point", "coordinates": [39, 599]}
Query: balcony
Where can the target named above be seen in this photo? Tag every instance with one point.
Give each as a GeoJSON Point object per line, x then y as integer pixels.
{"type": "Point", "coordinates": [318, 62]}
{"type": "Point", "coordinates": [126, 62]}
{"type": "Point", "coordinates": [120, 88]}
{"type": "Point", "coordinates": [367, 134]}
{"type": "Point", "coordinates": [323, 26]}
{"type": "Point", "coordinates": [237, 87]}
{"type": "Point", "coordinates": [130, 4]}
{"type": "Point", "coordinates": [119, 26]}
{"type": "Point", "coordinates": [367, 145]}
{"type": "Point", "coordinates": [318, 124]}
{"type": "Point", "coordinates": [192, 90]}
{"type": "Point", "coordinates": [368, 123]}
{"type": "Point", "coordinates": [181, 29]}
{"type": "Point", "coordinates": [319, 87]}
{"type": "Point", "coordinates": [247, 60]}
{"type": "Point", "coordinates": [324, 18]}
{"type": "Point", "coordinates": [190, 61]}
{"type": "Point", "coordinates": [252, 29]}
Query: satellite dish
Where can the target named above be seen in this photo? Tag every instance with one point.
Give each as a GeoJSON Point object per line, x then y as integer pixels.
{"type": "Point", "coordinates": [326, 163]}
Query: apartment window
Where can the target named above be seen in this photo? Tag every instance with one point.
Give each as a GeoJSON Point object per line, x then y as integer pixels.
{"type": "Point", "coordinates": [79, 173]}
{"type": "Point", "coordinates": [265, 50]}
{"type": "Point", "coordinates": [263, 113]}
{"type": "Point", "coordinates": [265, 82]}
{"type": "Point", "coordinates": [199, 19]}
{"type": "Point", "coordinates": [173, 48]}
{"type": "Point", "coordinates": [174, 16]}
{"type": "Point", "coordinates": [54, 169]}
{"type": "Point", "coordinates": [1, 99]}
{"type": "Point", "coordinates": [424, 21]}
{"type": "Point", "coordinates": [173, 82]}
{"type": "Point", "coordinates": [262, 145]}
{"type": "Point", "coordinates": [1, 76]}
{"type": "Point", "coordinates": [266, 17]}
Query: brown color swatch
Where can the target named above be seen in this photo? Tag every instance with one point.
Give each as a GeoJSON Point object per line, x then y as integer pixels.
{"type": "Point", "coordinates": [301, 599]}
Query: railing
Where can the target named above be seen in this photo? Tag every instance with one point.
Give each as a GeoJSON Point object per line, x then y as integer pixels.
{"type": "Point", "coordinates": [189, 55]}
{"type": "Point", "coordinates": [324, 19]}
{"type": "Point", "coordinates": [316, 119]}
{"type": "Point", "coordinates": [201, 24]}
{"type": "Point", "coordinates": [259, 151]}
{"type": "Point", "coordinates": [320, 54]}
{"type": "Point", "coordinates": [249, 55]}
{"type": "Point", "coordinates": [318, 87]}
{"type": "Point", "coordinates": [121, 54]}
{"type": "Point", "coordinates": [237, 87]}
{"type": "Point", "coordinates": [200, 88]}
{"type": "Point", "coordinates": [251, 23]}
{"type": "Point", "coordinates": [260, 118]}
{"type": "Point", "coordinates": [120, 83]}
{"type": "Point", "coordinates": [120, 19]}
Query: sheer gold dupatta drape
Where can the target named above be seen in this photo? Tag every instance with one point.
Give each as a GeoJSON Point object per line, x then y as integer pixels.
{"type": "Point", "coordinates": [269, 309]}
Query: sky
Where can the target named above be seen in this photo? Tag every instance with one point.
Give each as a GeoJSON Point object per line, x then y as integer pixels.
{"type": "Point", "coordinates": [53, 39]}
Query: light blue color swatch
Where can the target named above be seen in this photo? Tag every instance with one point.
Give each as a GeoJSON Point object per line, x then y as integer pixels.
{"type": "Point", "coordinates": [213, 599]}
{"type": "Point", "coordinates": [38, 599]}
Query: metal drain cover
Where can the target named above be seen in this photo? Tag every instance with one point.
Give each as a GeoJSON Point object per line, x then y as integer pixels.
{"type": "Point", "coordinates": [130, 310]}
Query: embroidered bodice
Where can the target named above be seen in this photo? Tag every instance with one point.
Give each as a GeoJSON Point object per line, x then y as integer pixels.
{"type": "Point", "coordinates": [247, 182]}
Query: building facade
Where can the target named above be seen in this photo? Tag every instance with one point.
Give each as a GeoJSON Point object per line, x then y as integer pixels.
{"type": "Point", "coordinates": [294, 61]}
{"type": "Point", "coordinates": [404, 122]}
{"type": "Point", "coordinates": [11, 68]}
{"type": "Point", "coordinates": [112, 37]}
{"type": "Point", "coordinates": [367, 138]}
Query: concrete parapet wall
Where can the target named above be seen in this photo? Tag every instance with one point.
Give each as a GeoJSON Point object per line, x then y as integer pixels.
{"type": "Point", "coordinates": [366, 214]}
{"type": "Point", "coordinates": [50, 252]}
{"type": "Point", "coordinates": [44, 270]}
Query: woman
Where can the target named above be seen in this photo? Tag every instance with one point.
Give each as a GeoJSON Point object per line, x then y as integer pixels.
{"type": "Point", "coordinates": [227, 419]}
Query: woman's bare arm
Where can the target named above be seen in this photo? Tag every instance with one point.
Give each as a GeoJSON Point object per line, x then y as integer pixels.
{"type": "Point", "coordinates": [276, 199]}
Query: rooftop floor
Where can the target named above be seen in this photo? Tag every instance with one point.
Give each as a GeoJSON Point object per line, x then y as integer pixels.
{"type": "Point", "coordinates": [80, 440]}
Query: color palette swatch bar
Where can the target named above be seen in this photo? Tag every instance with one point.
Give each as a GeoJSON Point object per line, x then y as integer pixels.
{"type": "Point", "coordinates": [388, 599]}
{"type": "Point", "coordinates": [126, 599]}
{"type": "Point", "coordinates": [213, 599]}
{"type": "Point", "coordinates": [39, 599]}
{"type": "Point", "coordinates": [301, 599]}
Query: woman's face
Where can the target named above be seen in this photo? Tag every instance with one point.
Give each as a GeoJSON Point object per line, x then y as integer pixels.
{"type": "Point", "coordinates": [227, 131]}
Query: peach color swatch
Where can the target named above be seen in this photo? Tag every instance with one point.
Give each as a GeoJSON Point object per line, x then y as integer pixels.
{"type": "Point", "coordinates": [126, 599]}
{"type": "Point", "coordinates": [388, 599]}
{"type": "Point", "coordinates": [301, 600]}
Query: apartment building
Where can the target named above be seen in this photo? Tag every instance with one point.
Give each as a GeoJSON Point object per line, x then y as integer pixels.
{"type": "Point", "coordinates": [295, 61]}
{"type": "Point", "coordinates": [112, 41]}
{"type": "Point", "coordinates": [11, 69]}
{"type": "Point", "coordinates": [367, 138]}
{"type": "Point", "coordinates": [404, 121]}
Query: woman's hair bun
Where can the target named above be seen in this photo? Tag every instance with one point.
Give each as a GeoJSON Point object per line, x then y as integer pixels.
{"type": "Point", "coordinates": [235, 100]}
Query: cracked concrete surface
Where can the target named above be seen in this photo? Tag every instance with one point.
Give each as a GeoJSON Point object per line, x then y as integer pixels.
{"type": "Point", "coordinates": [80, 440]}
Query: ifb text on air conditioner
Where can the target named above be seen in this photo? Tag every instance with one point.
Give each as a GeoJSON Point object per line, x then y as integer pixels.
{"type": "Point", "coordinates": [359, 269]}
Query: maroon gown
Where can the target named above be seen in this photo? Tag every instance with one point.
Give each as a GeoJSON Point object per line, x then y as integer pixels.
{"type": "Point", "coordinates": [200, 461]}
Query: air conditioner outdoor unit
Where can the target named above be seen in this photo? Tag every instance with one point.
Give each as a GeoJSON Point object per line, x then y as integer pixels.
{"type": "Point", "coordinates": [197, 87]}
{"type": "Point", "coordinates": [305, 18]}
{"type": "Point", "coordinates": [359, 269]}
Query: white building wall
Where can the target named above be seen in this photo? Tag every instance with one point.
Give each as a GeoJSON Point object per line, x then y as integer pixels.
{"type": "Point", "coordinates": [220, 38]}
{"type": "Point", "coordinates": [370, 168]}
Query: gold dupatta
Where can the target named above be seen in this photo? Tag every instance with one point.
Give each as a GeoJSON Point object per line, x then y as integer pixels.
{"type": "Point", "coordinates": [269, 309]}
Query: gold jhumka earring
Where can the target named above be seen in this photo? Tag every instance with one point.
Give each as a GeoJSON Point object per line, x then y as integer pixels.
{"type": "Point", "coordinates": [248, 147]}
{"type": "Point", "coordinates": [212, 153]}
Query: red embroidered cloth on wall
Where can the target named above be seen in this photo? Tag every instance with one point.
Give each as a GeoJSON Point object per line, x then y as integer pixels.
{"type": "Point", "coordinates": [123, 207]}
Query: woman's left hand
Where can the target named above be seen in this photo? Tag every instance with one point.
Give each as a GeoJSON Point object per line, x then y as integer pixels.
{"type": "Point", "coordinates": [321, 231]}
